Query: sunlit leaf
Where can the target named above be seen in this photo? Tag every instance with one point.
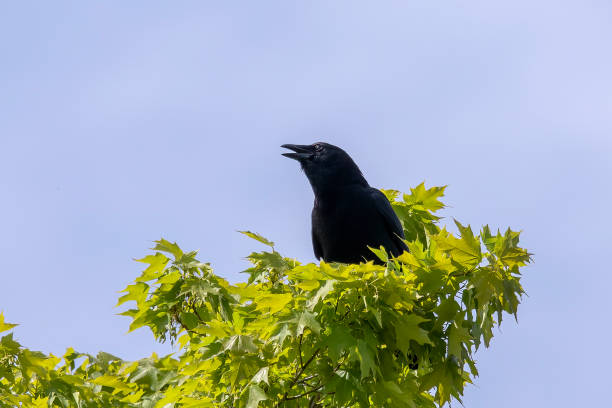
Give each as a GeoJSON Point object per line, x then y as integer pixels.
{"type": "Point", "coordinates": [256, 395]}
{"type": "Point", "coordinates": [257, 237]}
{"type": "Point", "coordinates": [272, 302]}
{"type": "Point", "coordinates": [5, 326]}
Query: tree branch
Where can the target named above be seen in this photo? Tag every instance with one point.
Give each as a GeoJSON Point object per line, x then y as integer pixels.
{"type": "Point", "coordinates": [286, 396]}
{"type": "Point", "coordinates": [297, 376]}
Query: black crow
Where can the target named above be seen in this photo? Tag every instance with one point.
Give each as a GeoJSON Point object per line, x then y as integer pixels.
{"type": "Point", "coordinates": [348, 215]}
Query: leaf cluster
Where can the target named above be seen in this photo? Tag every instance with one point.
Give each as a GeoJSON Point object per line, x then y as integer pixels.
{"type": "Point", "coordinates": [298, 335]}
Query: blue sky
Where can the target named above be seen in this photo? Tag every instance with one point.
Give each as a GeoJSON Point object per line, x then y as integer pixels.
{"type": "Point", "coordinates": [124, 122]}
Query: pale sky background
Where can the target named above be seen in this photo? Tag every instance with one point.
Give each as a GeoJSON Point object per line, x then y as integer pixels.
{"type": "Point", "coordinates": [122, 122]}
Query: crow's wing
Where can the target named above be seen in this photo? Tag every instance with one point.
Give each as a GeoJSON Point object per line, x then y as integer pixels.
{"type": "Point", "coordinates": [394, 226]}
{"type": "Point", "coordinates": [316, 245]}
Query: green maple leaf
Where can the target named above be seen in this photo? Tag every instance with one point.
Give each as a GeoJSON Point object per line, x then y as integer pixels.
{"type": "Point", "coordinates": [157, 264]}
{"type": "Point", "coordinates": [240, 344]}
{"type": "Point", "coordinates": [256, 395]}
{"type": "Point", "coordinates": [308, 272]}
{"type": "Point", "coordinates": [190, 320]}
{"type": "Point", "coordinates": [428, 199]}
{"type": "Point", "coordinates": [366, 357]}
{"type": "Point", "coordinates": [457, 336]}
{"type": "Point", "coordinates": [199, 288]}
{"type": "Point", "coordinates": [465, 250]}
{"type": "Point", "coordinates": [307, 319]}
{"type": "Point", "coordinates": [268, 260]}
{"type": "Point", "coordinates": [446, 310]}
{"type": "Point", "coordinates": [338, 341]}
{"type": "Point", "coordinates": [407, 328]}
{"type": "Point", "coordinates": [168, 247]}
{"type": "Point", "coordinates": [321, 294]}
{"type": "Point", "coordinates": [487, 283]}
{"type": "Point", "coordinates": [137, 292]}
{"type": "Point", "coordinates": [273, 302]}
{"type": "Point", "coordinates": [505, 247]}
{"type": "Point", "coordinates": [146, 373]}
{"type": "Point", "coordinates": [239, 370]}
{"type": "Point", "coordinates": [281, 335]}
{"type": "Point", "coordinates": [112, 382]}
{"type": "Point", "coordinates": [261, 376]}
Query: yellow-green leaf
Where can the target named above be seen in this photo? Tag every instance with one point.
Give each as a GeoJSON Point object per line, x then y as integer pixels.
{"type": "Point", "coordinates": [273, 302]}
{"type": "Point", "coordinates": [257, 237]}
{"type": "Point", "coordinates": [5, 326]}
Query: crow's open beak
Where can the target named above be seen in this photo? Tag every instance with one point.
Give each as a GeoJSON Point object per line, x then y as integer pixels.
{"type": "Point", "coordinates": [302, 152]}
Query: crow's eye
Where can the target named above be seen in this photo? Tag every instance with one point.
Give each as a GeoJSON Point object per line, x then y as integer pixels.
{"type": "Point", "coordinates": [318, 147]}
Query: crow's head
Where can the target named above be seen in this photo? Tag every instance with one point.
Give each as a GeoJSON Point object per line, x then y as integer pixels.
{"type": "Point", "coordinates": [326, 166]}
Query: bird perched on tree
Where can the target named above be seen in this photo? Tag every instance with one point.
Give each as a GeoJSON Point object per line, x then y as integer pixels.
{"type": "Point", "coordinates": [348, 215]}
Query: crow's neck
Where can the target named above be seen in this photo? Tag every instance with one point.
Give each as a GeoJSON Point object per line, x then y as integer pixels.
{"type": "Point", "coordinates": [331, 187]}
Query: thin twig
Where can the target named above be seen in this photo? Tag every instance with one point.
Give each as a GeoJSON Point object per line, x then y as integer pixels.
{"type": "Point", "coordinates": [293, 397]}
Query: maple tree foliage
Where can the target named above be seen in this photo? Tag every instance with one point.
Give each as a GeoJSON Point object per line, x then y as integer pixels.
{"type": "Point", "coordinates": [297, 335]}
